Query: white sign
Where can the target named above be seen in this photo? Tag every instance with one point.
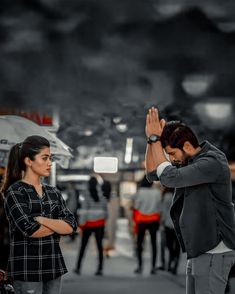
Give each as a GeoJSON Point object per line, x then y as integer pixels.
{"type": "Point", "coordinates": [105, 164]}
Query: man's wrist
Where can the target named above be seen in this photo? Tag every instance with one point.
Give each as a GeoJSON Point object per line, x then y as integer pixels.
{"type": "Point", "coordinates": [153, 138]}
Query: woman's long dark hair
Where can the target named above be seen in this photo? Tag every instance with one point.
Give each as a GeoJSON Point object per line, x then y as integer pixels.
{"type": "Point", "coordinates": [30, 147]}
{"type": "Point", "coordinates": [106, 189]}
{"type": "Point", "coordinates": [92, 187]}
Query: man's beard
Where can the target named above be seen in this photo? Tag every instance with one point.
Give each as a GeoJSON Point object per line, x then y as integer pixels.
{"type": "Point", "coordinates": [177, 163]}
{"type": "Point", "coordinates": [181, 163]}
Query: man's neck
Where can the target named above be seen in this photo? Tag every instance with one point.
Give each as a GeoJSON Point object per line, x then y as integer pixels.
{"type": "Point", "coordinates": [195, 151]}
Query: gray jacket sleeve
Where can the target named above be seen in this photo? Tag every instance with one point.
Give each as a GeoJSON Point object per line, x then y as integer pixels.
{"type": "Point", "coordinates": [204, 170]}
{"type": "Point", "coordinates": [152, 176]}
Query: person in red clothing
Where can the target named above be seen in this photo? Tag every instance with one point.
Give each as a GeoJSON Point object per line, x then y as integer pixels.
{"type": "Point", "coordinates": [146, 217]}
{"type": "Point", "coordinates": [92, 218]}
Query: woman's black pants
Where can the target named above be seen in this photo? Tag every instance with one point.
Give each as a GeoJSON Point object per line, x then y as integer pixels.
{"type": "Point", "coordinates": [152, 227]}
{"type": "Point", "coordinates": [99, 235]}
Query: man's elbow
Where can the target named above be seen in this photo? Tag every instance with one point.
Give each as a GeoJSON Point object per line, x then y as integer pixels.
{"type": "Point", "coordinates": [167, 183]}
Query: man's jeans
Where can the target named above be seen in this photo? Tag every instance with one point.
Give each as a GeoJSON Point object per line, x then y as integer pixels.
{"type": "Point", "coordinates": [49, 287]}
{"type": "Point", "coordinates": [208, 273]}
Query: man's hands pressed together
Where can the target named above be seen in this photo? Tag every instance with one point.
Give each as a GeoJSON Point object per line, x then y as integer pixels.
{"type": "Point", "coordinates": [154, 155]}
{"type": "Point", "coordinates": [153, 125]}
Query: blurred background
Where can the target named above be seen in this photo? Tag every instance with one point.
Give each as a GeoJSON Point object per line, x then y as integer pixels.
{"type": "Point", "coordinates": [99, 65]}
{"type": "Point", "coordinates": [88, 70]}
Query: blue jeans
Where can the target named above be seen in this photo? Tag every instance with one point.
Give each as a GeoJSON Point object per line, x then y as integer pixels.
{"type": "Point", "coordinates": [208, 273]}
{"type": "Point", "coordinates": [49, 287]}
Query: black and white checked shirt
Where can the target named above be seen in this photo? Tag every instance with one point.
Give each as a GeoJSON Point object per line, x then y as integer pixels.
{"type": "Point", "coordinates": [34, 259]}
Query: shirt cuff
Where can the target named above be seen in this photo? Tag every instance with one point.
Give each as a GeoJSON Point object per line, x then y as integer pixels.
{"type": "Point", "coordinates": [161, 167]}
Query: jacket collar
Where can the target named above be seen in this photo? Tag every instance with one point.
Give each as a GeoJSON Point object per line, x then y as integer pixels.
{"type": "Point", "coordinates": [205, 146]}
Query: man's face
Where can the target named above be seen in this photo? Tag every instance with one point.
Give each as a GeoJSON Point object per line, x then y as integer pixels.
{"type": "Point", "coordinates": [177, 156]}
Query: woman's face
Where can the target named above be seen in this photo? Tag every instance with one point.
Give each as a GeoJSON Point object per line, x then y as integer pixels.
{"type": "Point", "coordinates": [41, 165]}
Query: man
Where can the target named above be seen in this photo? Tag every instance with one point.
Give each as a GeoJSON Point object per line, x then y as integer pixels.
{"type": "Point", "coordinates": [202, 209]}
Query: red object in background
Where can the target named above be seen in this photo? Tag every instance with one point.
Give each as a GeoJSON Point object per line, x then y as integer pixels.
{"type": "Point", "coordinates": [93, 224]}
{"type": "Point", "coordinates": [47, 120]}
{"type": "Point", "coordinates": [139, 217]}
{"type": "Point", "coordinates": [40, 118]}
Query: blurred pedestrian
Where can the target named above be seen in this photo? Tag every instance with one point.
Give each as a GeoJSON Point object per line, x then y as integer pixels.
{"type": "Point", "coordinates": [37, 217]}
{"type": "Point", "coordinates": [171, 240]}
{"type": "Point", "coordinates": [92, 218]}
{"type": "Point", "coordinates": [202, 210]}
{"type": "Point", "coordinates": [2, 173]}
{"type": "Point", "coordinates": [72, 203]}
{"type": "Point", "coordinates": [146, 217]}
{"type": "Point", "coordinates": [111, 226]}
{"type": "Point", "coordinates": [4, 228]}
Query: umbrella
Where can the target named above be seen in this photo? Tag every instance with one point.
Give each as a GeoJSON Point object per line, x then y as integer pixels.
{"type": "Point", "coordinates": [14, 129]}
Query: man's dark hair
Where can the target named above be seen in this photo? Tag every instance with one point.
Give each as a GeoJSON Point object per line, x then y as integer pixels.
{"type": "Point", "coordinates": [175, 134]}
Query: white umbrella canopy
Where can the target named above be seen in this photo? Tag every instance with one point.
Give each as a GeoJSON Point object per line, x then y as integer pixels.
{"type": "Point", "coordinates": [14, 129]}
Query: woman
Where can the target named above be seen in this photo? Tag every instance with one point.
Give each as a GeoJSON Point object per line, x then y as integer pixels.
{"type": "Point", "coordinates": [146, 216]}
{"type": "Point", "coordinates": [37, 217]}
{"type": "Point", "coordinates": [93, 215]}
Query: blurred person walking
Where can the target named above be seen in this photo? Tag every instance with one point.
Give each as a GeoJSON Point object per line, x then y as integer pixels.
{"type": "Point", "coordinates": [113, 211]}
{"type": "Point", "coordinates": [72, 203]}
{"type": "Point", "coordinates": [4, 228]}
{"type": "Point", "coordinates": [146, 217]}
{"type": "Point", "coordinates": [92, 218]}
{"type": "Point", "coordinates": [37, 217]}
{"type": "Point", "coordinates": [202, 210]}
{"type": "Point", "coordinates": [171, 240]}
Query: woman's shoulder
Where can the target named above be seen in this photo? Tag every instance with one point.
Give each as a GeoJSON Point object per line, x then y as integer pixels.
{"type": "Point", "coordinates": [14, 190]}
{"type": "Point", "coordinates": [16, 187]}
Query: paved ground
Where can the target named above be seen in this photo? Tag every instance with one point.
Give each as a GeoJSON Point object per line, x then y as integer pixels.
{"type": "Point", "coordinates": [118, 271]}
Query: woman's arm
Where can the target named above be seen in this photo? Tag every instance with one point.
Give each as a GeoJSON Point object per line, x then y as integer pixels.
{"type": "Point", "coordinates": [42, 232]}
{"type": "Point", "coordinates": [17, 210]}
{"type": "Point", "coordinates": [68, 222]}
{"type": "Point", "coordinates": [56, 225]}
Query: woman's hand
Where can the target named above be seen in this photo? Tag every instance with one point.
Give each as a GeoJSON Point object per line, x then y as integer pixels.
{"type": "Point", "coordinates": [39, 219]}
{"type": "Point", "coordinates": [57, 225]}
{"type": "Point", "coordinates": [153, 125]}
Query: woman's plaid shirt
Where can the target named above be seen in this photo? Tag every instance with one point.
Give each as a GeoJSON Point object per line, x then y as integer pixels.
{"type": "Point", "coordinates": [34, 259]}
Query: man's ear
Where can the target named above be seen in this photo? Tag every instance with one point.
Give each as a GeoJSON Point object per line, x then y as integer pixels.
{"type": "Point", "coordinates": [28, 161]}
{"type": "Point", "coordinates": [187, 147]}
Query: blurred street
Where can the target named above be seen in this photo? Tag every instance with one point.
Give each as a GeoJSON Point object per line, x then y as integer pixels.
{"type": "Point", "coordinates": [118, 270]}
